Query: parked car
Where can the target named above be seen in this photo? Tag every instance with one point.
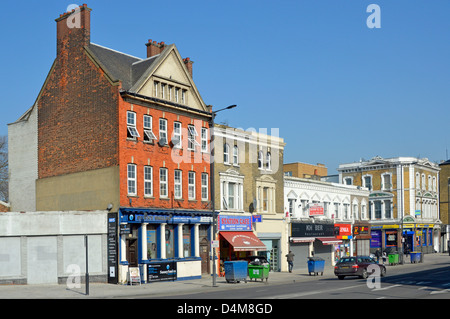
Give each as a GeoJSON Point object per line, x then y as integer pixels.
{"type": "Point", "coordinates": [357, 266]}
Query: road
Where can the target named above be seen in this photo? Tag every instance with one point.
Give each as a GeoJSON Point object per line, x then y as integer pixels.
{"type": "Point", "coordinates": [413, 281]}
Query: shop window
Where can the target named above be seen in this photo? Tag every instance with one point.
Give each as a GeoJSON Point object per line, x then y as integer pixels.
{"type": "Point", "coordinates": [169, 241]}
{"type": "Point", "coordinates": [152, 243]}
{"type": "Point", "coordinates": [186, 241]}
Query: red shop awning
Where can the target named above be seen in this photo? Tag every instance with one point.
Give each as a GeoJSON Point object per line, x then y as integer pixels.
{"type": "Point", "coordinates": [329, 240]}
{"type": "Point", "coordinates": [243, 241]}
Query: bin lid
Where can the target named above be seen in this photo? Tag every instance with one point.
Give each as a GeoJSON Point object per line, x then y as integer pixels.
{"type": "Point", "coordinates": [315, 259]}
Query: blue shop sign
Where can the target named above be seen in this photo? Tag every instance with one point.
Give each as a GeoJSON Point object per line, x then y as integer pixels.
{"type": "Point", "coordinates": [168, 218]}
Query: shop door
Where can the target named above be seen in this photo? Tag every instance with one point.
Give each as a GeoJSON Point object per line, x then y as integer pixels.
{"type": "Point", "coordinates": [132, 256]}
{"type": "Point", "coordinates": [204, 255]}
{"type": "Point", "coordinates": [274, 259]}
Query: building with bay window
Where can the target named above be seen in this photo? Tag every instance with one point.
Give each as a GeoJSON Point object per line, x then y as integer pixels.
{"type": "Point", "coordinates": [248, 176]}
{"type": "Point", "coordinates": [403, 202]}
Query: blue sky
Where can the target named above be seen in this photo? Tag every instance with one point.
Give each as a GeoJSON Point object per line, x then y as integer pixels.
{"type": "Point", "coordinates": [337, 90]}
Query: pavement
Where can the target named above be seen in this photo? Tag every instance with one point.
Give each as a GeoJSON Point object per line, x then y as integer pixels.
{"type": "Point", "coordinates": [168, 288]}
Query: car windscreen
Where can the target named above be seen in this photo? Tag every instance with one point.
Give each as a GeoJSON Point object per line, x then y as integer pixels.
{"type": "Point", "coordinates": [347, 260]}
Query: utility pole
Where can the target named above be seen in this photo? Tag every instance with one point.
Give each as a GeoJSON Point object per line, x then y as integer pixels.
{"type": "Point", "coordinates": [87, 263]}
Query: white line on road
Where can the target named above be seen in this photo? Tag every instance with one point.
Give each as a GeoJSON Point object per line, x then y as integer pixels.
{"type": "Point", "coordinates": [308, 293]}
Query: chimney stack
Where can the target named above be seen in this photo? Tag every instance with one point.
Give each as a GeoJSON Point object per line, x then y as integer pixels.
{"type": "Point", "coordinates": [188, 63]}
{"type": "Point", "coordinates": [154, 48]}
{"type": "Point", "coordinates": [73, 28]}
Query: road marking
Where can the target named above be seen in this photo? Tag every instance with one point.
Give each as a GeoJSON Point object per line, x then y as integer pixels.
{"type": "Point", "coordinates": [307, 293]}
{"type": "Point", "coordinates": [386, 288]}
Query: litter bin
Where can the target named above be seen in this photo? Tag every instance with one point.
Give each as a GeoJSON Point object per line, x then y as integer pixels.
{"type": "Point", "coordinates": [236, 271]}
{"type": "Point", "coordinates": [316, 265]}
{"type": "Point", "coordinates": [393, 259]}
{"type": "Point", "coordinates": [415, 257]}
{"type": "Point", "coordinates": [259, 268]}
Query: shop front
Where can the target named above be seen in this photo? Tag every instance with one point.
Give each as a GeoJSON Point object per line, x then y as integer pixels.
{"type": "Point", "coordinates": [345, 248]}
{"type": "Point", "coordinates": [420, 238]}
{"type": "Point", "coordinates": [163, 245]}
{"type": "Point", "coordinates": [237, 240]}
{"type": "Point", "coordinates": [361, 237]}
{"type": "Point", "coordinates": [312, 239]}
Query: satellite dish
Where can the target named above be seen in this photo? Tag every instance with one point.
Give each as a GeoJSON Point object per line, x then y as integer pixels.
{"type": "Point", "coordinates": [162, 141]}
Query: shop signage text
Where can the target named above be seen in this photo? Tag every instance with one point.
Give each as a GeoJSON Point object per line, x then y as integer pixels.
{"type": "Point", "coordinates": [312, 230]}
{"type": "Point", "coordinates": [235, 223]}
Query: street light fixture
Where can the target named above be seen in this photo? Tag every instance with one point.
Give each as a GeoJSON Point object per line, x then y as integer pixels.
{"type": "Point", "coordinates": [211, 150]}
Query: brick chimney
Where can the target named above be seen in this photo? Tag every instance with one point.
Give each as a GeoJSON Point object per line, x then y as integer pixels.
{"type": "Point", "coordinates": [73, 29]}
{"type": "Point", "coordinates": [154, 48]}
{"type": "Point", "coordinates": [188, 63]}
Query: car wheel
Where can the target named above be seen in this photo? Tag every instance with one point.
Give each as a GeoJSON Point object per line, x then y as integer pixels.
{"type": "Point", "coordinates": [383, 272]}
{"type": "Point", "coordinates": [364, 274]}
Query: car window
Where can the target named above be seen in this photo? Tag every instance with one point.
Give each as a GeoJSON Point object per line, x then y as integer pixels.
{"type": "Point", "coordinates": [347, 260]}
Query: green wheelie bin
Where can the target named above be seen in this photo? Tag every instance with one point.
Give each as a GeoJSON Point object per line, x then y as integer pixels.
{"type": "Point", "coordinates": [258, 268]}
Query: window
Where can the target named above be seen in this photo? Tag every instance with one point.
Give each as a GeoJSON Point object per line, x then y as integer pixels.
{"type": "Point", "coordinates": [163, 182]}
{"type": "Point", "coordinates": [235, 155]}
{"type": "Point", "coordinates": [148, 125]}
{"type": "Point", "coordinates": [336, 210]}
{"type": "Point", "coordinates": [260, 159]}
{"type": "Point", "coordinates": [386, 179]}
{"type": "Point", "coordinates": [265, 199]}
{"type": "Point", "coordinates": [176, 140]}
{"type": "Point", "coordinates": [131, 125]}
{"type": "Point", "coordinates": [205, 189]}
{"type": "Point", "coordinates": [231, 194]}
{"type": "Point", "coordinates": [177, 95]}
{"type": "Point", "coordinates": [170, 93]}
{"type": "Point", "coordinates": [148, 181]}
{"type": "Point", "coordinates": [186, 241]}
{"type": "Point", "coordinates": [348, 181]}
{"type": "Point", "coordinates": [178, 182]}
{"type": "Point", "coordinates": [163, 130]}
{"type": "Point", "coordinates": [183, 97]}
{"type": "Point", "coordinates": [268, 161]}
{"type": "Point", "coordinates": [192, 142]}
{"type": "Point", "coordinates": [368, 182]}
{"type": "Point", "coordinates": [191, 185]}
{"type": "Point", "coordinates": [417, 181]}
{"type": "Point", "coordinates": [131, 179]}
{"type": "Point", "coordinates": [377, 209]}
{"type": "Point", "coordinates": [156, 86]}
{"type": "Point", "coordinates": [387, 209]}
{"type": "Point", "coordinates": [226, 153]}
{"type": "Point", "coordinates": [204, 139]}
{"type": "Point", "coordinates": [163, 91]}
{"type": "Point", "coordinates": [291, 207]}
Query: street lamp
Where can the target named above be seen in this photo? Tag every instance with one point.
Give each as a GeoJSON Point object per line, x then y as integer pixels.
{"type": "Point", "coordinates": [211, 150]}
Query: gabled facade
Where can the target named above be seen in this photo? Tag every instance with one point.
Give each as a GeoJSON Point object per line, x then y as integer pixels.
{"type": "Point", "coordinates": [404, 197]}
{"type": "Point", "coordinates": [128, 134]}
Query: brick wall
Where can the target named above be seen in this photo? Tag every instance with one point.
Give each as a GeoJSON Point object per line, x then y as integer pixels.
{"type": "Point", "coordinates": [77, 129]}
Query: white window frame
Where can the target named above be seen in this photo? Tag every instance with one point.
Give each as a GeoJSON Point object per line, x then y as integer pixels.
{"type": "Point", "coordinates": [191, 185]}
{"type": "Point", "coordinates": [163, 185]}
{"type": "Point", "coordinates": [268, 161]}
{"type": "Point", "coordinates": [260, 159]}
{"type": "Point", "coordinates": [155, 87]}
{"type": "Point", "coordinates": [177, 131]}
{"type": "Point", "coordinates": [183, 96]}
{"type": "Point", "coordinates": [131, 125]}
{"type": "Point", "coordinates": [235, 155]}
{"type": "Point", "coordinates": [163, 91]}
{"type": "Point", "coordinates": [226, 153]}
{"type": "Point", "coordinates": [205, 186]}
{"type": "Point", "coordinates": [148, 181]}
{"type": "Point", "coordinates": [163, 132]}
{"type": "Point", "coordinates": [192, 142]}
{"type": "Point", "coordinates": [178, 183]}
{"type": "Point", "coordinates": [148, 128]}
{"type": "Point", "coordinates": [131, 180]}
{"type": "Point", "coordinates": [204, 139]}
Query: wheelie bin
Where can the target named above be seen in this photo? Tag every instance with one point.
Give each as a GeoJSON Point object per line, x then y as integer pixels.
{"type": "Point", "coordinates": [316, 265]}
{"type": "Point", "coordinates": [415, 257]}
{"type": "Point", "coordinates": [236, 271]}
{"type": "Point", "coordinates": [259, 268]}
{"type": "Point", "coordinates": [393, 259]}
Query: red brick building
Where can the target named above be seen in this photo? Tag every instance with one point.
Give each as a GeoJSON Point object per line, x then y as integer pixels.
{"type": "Point", "coordinates": [131, 135]}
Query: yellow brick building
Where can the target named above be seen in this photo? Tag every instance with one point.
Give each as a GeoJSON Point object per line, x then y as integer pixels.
{"type": "Point", "coordinates": [403, 201]}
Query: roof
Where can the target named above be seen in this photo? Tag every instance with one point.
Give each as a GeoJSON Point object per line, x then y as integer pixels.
{"type": "Point", "coordinates": [447, 162]}
{"type": "Point", "coordinates": [120, 66]}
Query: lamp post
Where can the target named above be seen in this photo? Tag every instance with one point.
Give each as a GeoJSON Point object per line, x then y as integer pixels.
{"type": "Point", "coordinates": [211, 163]}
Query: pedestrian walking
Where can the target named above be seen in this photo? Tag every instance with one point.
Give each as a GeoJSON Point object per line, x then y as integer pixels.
{"type": "Point", "coordinates": [378, 255]}
{"type": "Point", "coordinates": [290, 260]}
{"type": "Point", "coordinates": [384, 257]}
